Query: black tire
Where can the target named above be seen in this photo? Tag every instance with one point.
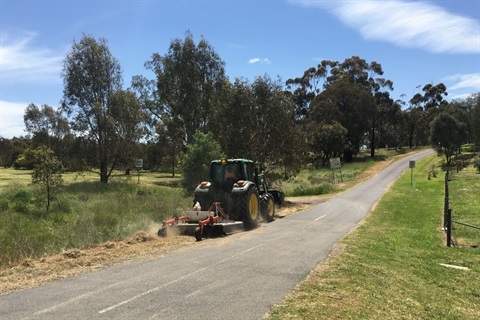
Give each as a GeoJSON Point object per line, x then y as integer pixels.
{"type": "Point", "coordinates": [248, 208]}
{"type": "Point", "coordinates": [198, 234]}
{"type": "Point", "coordinates": [268, 209]}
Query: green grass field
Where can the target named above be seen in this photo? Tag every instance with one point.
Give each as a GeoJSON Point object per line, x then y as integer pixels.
{"type": "Point", "coordinates": [396, 265]}
{"type": "Point", "coordinates": [85, 212]}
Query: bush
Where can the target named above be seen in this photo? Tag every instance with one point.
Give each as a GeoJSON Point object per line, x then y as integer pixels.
{"type": "Point", "coordinates": [323, 188]}
{"type": "Point", "coordinates": [476, 164]}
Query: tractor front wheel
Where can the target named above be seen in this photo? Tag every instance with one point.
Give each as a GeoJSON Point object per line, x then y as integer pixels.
{"type": "Point", "coordinates": [268, 209]}
{"type": "Point", "coordinates": [248, 208]}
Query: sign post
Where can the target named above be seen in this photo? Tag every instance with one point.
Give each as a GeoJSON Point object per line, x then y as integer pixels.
{"type": "Point", "coordinates": [139, 166]}
{"type": "Point", "coordinates": [411, 165]}
{"type": "Point", "coordinates": [335, 163]}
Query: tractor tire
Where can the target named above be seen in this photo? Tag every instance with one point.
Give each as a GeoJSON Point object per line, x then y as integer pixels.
{"type": "Point", "coordinates": [248, 208]}
{"type": "Point", "coordinates": [268, 209]}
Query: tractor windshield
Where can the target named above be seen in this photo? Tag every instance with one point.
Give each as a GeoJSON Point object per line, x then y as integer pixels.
{"type": "Point", "coordinates": [229, 171]}
{"type": "Point", "coordinates": [225, 175]}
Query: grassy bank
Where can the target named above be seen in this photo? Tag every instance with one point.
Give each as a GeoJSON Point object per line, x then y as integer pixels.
{"type": "Point", "coordinates": [318, 181]}
{"type": "Point", "coordinates": [396, 265]}
{"type": "Point", "coordinates": [84, 213]}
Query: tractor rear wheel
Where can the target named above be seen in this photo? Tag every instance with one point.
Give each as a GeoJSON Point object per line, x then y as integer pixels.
{"type": "Point", "coordinates": [248, 208]}
{"type": "Point", "coordinates": [268, 209]}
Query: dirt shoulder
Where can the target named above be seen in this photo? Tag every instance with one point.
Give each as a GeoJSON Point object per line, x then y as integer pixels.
{"type": "Point", "coordinates": [143, 245]}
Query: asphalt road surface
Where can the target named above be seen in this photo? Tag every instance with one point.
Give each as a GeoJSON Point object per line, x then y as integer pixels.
{"type": "Point", "coordinates": [240, 276]}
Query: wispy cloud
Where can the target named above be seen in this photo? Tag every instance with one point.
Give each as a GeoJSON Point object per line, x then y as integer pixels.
{"type": "Point", "coordinates": [258, 60]}
{"type": "Point", "coordinates": [405, 23]}
{"type": "Point", "coordinates": [464, 81]}
{"type": "Point", "coordinates": [21, 61]}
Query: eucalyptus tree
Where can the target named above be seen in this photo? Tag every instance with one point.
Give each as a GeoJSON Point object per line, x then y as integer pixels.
{"type": "Point", "coordinates": [189, 78]}
{"type": "Point", "coordinates": [359, 71]}
{"type": "Point", "coordinates": [349, 104]}
{"type": "Point", "coordinates": [305, 88]}
{"type": "Point", "coordinates": [256, 120]}
{"type": "Point", "coordinates": [96, 104]}
{"type": "Point", "coordinates": [47, 127]}
{"type": "Point", "coordinates": [353, 70]}
{"type": "Point", "coordinates": [474, 101]}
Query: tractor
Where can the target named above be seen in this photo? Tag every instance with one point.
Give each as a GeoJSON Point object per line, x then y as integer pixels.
{"type": "Point", "coordinates": [241, 189]}
{"type": "Point", "coordinates": [235, 196]}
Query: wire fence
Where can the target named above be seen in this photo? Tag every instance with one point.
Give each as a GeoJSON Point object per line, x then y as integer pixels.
{"type": "Point", "coordinates": [448, 221]}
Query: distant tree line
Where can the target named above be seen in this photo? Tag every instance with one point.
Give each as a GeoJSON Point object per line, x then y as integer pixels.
{"type": "Point", "coordinates": [334, 109]}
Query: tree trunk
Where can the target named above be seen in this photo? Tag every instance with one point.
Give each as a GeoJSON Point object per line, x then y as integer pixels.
{"type": "Point", "coordinates": [173, 162]}
{"type": "Point", "coordinates": [372, 143]}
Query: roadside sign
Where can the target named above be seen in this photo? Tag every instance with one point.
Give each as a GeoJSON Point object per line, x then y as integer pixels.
{"type": "Point", "coordinates": [335, 163]}
{"type": "Point", "coordinates": [139, 163]}
{"type": "Point", "coordinates": [411, 165]}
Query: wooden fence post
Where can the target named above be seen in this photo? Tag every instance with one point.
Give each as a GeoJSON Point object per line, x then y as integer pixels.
{"type": "Point", "coordinates": [446, 204]}
{"type": "Point", "coordinates": [449, 227]}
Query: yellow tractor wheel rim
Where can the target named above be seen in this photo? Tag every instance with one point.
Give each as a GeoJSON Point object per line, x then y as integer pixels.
{"type": "Point", "coordinates": [253, 207]}
{"type": "Point", "coordinates": [270, 207]}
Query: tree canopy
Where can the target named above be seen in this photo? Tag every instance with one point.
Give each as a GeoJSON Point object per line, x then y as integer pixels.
{"type": "Point", "coordinates": [97, 105]}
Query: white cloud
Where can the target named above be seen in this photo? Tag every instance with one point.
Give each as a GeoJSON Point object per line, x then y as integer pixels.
{"type": "Point", "coordinates": [406, 23]}
{"type": "Point", "coordinates": [11, 119]}
{"type": "Point", "coordinates": [258, 60]}
{"type": "Point", "coordinates": [464, 81]}
{"type": "Point", "coordinates": [21, 62]}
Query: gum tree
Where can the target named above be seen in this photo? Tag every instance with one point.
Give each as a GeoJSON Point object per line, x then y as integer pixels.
{"type": "Point", "coordinates": [96, 104]}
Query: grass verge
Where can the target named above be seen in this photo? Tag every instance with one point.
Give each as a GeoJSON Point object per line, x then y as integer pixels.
{"type": "Point", "coordinates": [395, 265]}
{"type": "Point", "coordinates": [85, 213]}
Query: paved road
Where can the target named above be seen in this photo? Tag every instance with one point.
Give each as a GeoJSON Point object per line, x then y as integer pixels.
{"type": "Point", "coordinates": [237, 277]}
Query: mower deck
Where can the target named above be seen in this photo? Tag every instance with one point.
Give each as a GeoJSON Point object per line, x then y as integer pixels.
{"type": "Point", "coordinates": [215, 230]}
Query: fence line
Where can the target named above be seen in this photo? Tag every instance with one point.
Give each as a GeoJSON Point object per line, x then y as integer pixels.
{"type": "Point", "coordinates": [447, 212]}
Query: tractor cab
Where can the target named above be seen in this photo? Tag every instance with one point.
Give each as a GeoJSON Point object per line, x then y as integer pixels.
{"type": "Point", "coordinates": [225, 173]}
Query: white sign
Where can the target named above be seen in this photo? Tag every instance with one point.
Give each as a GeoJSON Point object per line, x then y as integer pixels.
{"type": "Point", "coordinates": [138, 163]}
{"type": "Point", "coordinates": [335, 163]}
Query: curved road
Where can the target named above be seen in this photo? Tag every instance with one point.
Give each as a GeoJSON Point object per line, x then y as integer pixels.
{"type": "Point", "coordinates": [237, 277]}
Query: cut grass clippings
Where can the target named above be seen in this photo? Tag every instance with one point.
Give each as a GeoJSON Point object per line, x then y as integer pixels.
{"type": "Point", "coordinates": [395, 265]}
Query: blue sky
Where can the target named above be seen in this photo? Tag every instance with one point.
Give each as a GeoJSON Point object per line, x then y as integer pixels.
{"type": "Point", "coordinates": [416, 42]}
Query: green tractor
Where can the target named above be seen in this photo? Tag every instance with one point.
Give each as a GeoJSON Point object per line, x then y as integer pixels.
{"type": "Point", "coordinates": [240, 187]}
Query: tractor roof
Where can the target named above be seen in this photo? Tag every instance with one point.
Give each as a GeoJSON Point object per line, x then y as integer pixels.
{"type": "Point", "coordinates": [233, 160]}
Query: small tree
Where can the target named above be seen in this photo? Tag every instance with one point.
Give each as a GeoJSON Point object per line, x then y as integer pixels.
{"type": "Point", "coordinates": [47, 173]}
{"type": "Point", "coordinates": [446, 134]}
{"type": "Point", "coordinates": [197, 159]}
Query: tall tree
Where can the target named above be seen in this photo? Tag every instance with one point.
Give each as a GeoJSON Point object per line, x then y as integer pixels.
{"type": "Point", "coordinates": [358, 71]}
{"type": "Point", "coordinates": [94, 101]}
{"type": "Point", "coordinates": [305, 88]}
{"type": "Point", "coordinates": [350, 105]}
{"type": "Point", "coordinates": [474, 101]}
{"type": "Point", "coordinates": [48, 127]}
{"type": "Point", "coordinates": [188, 80]}
{"type": "Point", "coordinates": [256, 121]}
{"type": "Point", "coordinates": [352, 70]}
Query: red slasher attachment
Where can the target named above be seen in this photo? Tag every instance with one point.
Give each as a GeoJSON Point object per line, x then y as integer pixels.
{"type": "Point", "coordinates": [202, 224]}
